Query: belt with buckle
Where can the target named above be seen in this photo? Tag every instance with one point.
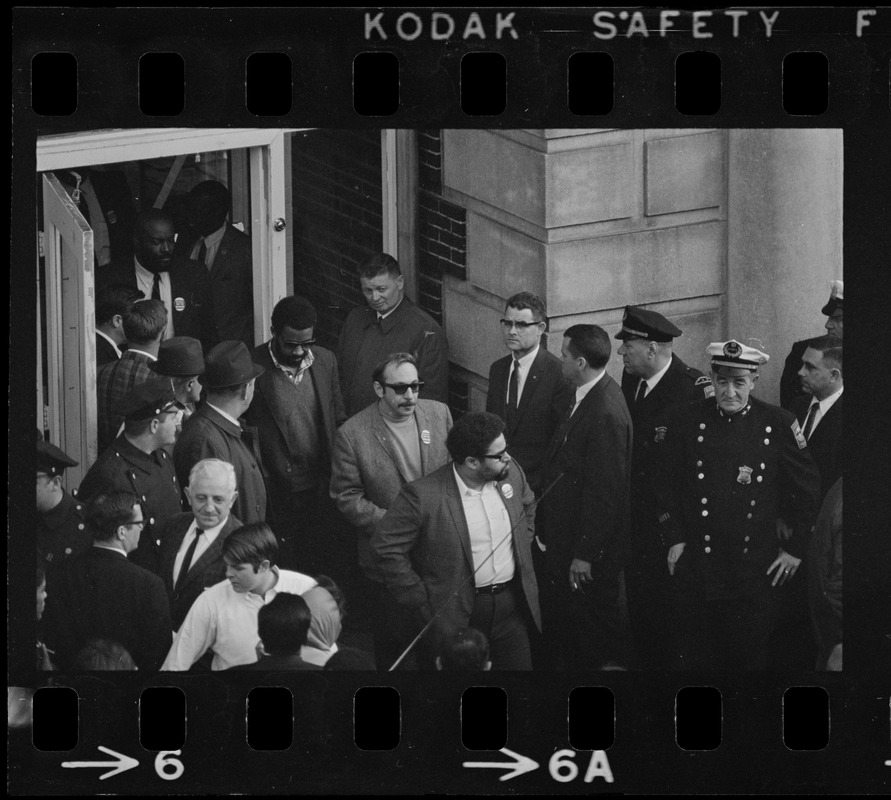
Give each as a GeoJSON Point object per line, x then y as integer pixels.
{"type": "Point", "coordinates": [492, 588]}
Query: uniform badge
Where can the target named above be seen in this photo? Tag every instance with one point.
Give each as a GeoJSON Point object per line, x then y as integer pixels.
{"type": "Point", "coordinates": [799, 436]}
{"type": "Point", "coordinates": [507, 490]}
{"type": "Point", "coordinates": [179, 304]}
{"type": "Point", "coordinates": [111, 218]}
{"type": "Point", "coordinates": [425, 437]}
{"type": "Point", "coordinates": [732, 349]}
{"type": "Point", "coordinates": [702, 380]}
{"type": "Point", "coordinates": [745, 475]}
{"type": "Point", "coordinates": [709, 391]}
{"type": "Point", "coordinates": [660, 433]}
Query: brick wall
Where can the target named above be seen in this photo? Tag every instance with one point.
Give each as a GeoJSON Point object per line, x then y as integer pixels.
{"type": "Point", "coordinates": [442, 244]}
{"type": "Point", "coordinates": [336, 181]}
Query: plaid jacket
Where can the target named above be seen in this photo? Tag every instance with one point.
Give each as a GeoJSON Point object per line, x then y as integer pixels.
{"type": "Point", "coordinates": [113, 383]}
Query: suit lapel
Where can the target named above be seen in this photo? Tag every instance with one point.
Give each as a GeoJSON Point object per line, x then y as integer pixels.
{"type": "Point", "coordinates": [529, 387]}
{"type": "Point", "coordinates": [170, 554]}
{"type": "Point", "coordinates": [456, 510]}
{"type": "Point", "coordinates": [423, 423]}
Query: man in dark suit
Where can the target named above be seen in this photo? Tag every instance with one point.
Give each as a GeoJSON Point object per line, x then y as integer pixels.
{"type": "Point", "coordinates": [820, 415]}
{"type": "Point", "coordinates": [190, 556]}
{"type": "Point", "coordinates": [654, 379]}
{"type": "Point", "coordinates": [226, 253]}
{"type": "Point", "coordinates": [455, 544]}
{"type": "Point", "coordinates": [296, 410]}
{"type": "Point", "coordinates": [144, 326]}
{"type": "Point", "coordinates": [527, 388]}
{"type": "Point", "coordinates": [182, 285]}
{"type": "Point", "coordinates": [583, 520]}
{"type": "Point", "coordinates": [103, 595]}
{"type": "Point", "coordinates": [395, 441]}
{"type": "Point", "coordinates": [112, 305]}
{"type": "Point", "coordinates": [790, 385]}
{"type": "Point", "coordinates": [215, 430]}
{"type": "Point", "coordinates": [61, 530]}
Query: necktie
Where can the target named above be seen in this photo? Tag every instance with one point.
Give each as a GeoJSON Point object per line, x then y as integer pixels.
{"type": "Point", "coordinates": [156, 287]}
{"type": "Point", "coordinates": [202, 252]}
{"type": "Point", "coordinates": [809, 421]}
{"type": "Point", "coordinates": [641, 391]}
{"type": "Point", "coordinates": [513, 386]}
{"type": "Point", "coordinates": [187, 560]}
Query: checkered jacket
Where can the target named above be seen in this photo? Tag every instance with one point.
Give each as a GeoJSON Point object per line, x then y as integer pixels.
{"type": "Point", "coordinates": [112, 385]}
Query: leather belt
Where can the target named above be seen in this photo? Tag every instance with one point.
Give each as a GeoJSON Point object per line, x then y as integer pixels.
{"type": "Point", "coordinates": [493, 588]}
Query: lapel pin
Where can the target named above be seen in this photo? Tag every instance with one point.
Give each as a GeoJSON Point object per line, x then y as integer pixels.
{"type": "Point", "coordinates": [425, 437]}
{"type": "Point", "coordinates": [179, 304]}
{"type": "Point", "coordinates": [507, 490]}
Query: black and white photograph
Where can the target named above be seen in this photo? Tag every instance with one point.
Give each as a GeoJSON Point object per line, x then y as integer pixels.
{"type": "Point", "coordinates": [552, 398]}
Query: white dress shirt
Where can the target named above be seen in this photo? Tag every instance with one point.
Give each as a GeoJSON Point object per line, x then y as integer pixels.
{"type": "Point", "coordinates": [522, 365]}
{"type": "Point", "coordinates": [824, 406]}
{"type": "Point", "coordinates": [212, 241]}
{"type": "Point", "coordinates": [205, 541]}
{"type": "Point", "coordinates": [145, 281]}
{"type": "Point", "coordinates": [582, 391]}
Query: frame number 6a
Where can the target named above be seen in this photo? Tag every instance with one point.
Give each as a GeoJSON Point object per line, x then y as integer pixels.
{"type": "Point", "coordinates": [563, 767]}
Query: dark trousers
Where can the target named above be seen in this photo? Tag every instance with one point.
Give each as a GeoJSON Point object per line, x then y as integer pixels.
{"type": "Point", "coordinates": [392, 628]}
{"type": "Point", "coordinates": [583, 629]}
{"type": "Point", "coordinates": [728, 631]}
{"type": "Point", "coordinates": [500, 618]}
{"type": "Point", "coordinates": [647, 583]}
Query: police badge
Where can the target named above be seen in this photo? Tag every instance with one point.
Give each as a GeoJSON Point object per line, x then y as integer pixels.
{"type": "Point", "coordinates": [660, 433]}
{"type": "Point", "coordinates": [179, 304]}
{"type": "Point", "coordinates": [745, 475]}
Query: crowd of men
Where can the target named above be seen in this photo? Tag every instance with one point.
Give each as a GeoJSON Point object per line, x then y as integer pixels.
{"type": "Point", "coordinates": [243, 498]}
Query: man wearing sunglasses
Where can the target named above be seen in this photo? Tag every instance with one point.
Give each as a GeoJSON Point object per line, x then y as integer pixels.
{"type": "Point", "coordinates": [296, 409]}
{"type": "Point", "coordinates": [455, 545]}
{"type": "Point", "coordinates": [102, 594]}
{"type": "Point", "coordinates": [390, 443]}
{"type": "Point", "coordinates": [136, 461]}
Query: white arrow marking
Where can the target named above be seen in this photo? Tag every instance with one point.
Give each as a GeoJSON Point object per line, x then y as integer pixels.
{"type": "Point", "coordinates": [520, 764]}
{"type": "Point", "coordinates": [122, 764]}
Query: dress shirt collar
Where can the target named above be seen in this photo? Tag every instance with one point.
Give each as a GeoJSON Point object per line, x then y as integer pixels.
{"type": "Point", "coordinates": [384, 316]}
{"type": "Point", "coordinates": [827, 402]}
{"type": "Point", "coordinates": [224, 415]}
{"type": "Point", "coordinates": [307, 362]}
{"type": "Point", "coordinates": [111, 341]}
{"type": "Point", "coordinates": [214, 238]}
{"type": "Point", "coordinates": [142, 353]}
{"type": "Point", "coordinates": [582, 391]}
{"type": "Point", "coordinates": [465, 491]}
{"type": "Point", "coordinates": [654, 381]}
{"type": "Point", "coordinates": [526, 361]}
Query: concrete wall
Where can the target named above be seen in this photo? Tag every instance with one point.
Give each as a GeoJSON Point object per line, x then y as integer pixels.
{"type": "Point", "coordinates": [726, 233]}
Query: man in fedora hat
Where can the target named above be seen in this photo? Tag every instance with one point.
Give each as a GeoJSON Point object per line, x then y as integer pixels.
{"type": "Point", "coordinates": [653, 380]}
{"type": "Point", "coordinates": [214, 430]}
{"type": "Point", "coordinates": [61, 530]}
{"type": "Point", "coordinates": [790, 382]}
{"type": "Point", "coordinates": [734, 473]}
{"type": "Point", "coordinates": [137, 462]}
{"type": "Point", "coordinates": [181, 360]}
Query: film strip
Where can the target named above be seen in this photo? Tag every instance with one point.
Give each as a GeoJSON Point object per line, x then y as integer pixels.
{"type": "Point", "coordinates": [535, 81]}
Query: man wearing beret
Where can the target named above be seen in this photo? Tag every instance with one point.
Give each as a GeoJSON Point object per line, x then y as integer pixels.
{"type": "Point", "coordinates": [214, 430]}
{"type": "Point", "coordinates": [654, 379]}
{"type": "Point", "coordinates": [737, 492]}
{"type": "Point", "coordinates": [181, 360]}
{"type": "Point", "coordinates": [790, 383]}
{"type": "Point", "coordinates": [61, 530]}
{"type": "Point", "coordinates": [137, 462]}
{"type": "Point", "coordinates": [297, 410]}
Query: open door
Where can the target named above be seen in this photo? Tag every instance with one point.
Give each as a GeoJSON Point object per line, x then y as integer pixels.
{"type": "Point", "coordinates": [70, 329]}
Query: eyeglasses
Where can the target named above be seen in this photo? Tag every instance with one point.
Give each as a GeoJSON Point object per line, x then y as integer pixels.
{"type": "Point", "coordinates": [138, 524]}
{"type": "Point", "coordinates": [508, 325]}
{"type": "Point", "coordinates": [402, 388]}
{"type": "Point", "coordinates": [496, 456]}
{"type": "Point", "coordinates": [295, 345]}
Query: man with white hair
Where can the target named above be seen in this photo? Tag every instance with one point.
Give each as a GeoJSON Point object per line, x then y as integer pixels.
{"type": "Point", "coordinates": [735, 474]}
{"type": "Point", "coordinates": [191, 549]}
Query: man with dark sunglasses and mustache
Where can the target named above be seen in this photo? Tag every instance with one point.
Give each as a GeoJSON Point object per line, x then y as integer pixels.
{"type": "Point", "coordinates": [376, 452]}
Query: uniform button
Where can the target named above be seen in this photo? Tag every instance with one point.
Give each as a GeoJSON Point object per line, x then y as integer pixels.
{"type": "Point", "coordinates": [745, 550]}
{"type": "Point", "coordinates": [143, 498]}
{"type": "Point", "coordinates": [80, 527]}
{"type": "Point", "coordinates": [698, 463]}
{"type": "Point", "coordinates": [702, 426]}
{"type": "Point", "coordinates": [708, 538]}
{"type": "Point", "coordinates": [746, 539]}
{"type": "Point", "coordinates": [753, 502]}
{"type": "Point", "coordinates": [708, 549]}
{"type": "Point", "coordinates": [748, 516]}
{"type": "Point", "coordinates": [760, 478]}
{"type": "Point", "coordinates": [704, 500]}
{"type": "Point", "coordinates": [768, 429]}
{"type": "Point", "coordinates": [67, 551]}
{"type": "Point", "coordinates": [767, 441]}
{"type": "Point", "coordinates": [704, 512]}
{"type": "Point", "coordinates": [79, 507]}
{"type": "Point", "coordinates": [152, 521]}
{"type": "Point", "coordinates": [701, 476]}
{"type": "Point", "coordinates": [698, 438]}
{"type": "Point", "coordinates": [762, 466]}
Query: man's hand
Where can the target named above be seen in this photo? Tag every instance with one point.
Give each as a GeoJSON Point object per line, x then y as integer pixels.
{"type": "Point", "coordinates": [674, 553]}
{"type": "Point", "coordinates": [786, 565]}
{"type": "Point", "coordinates": [579, 573]}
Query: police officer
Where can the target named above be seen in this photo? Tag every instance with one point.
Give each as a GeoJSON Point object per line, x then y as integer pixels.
{"type": "Point", "coordinates": [790, 384]}
{"type": "Point", "coordinates": [654, 379]}
{"type": "Point", "coordinates": [734, 473]}
{"type": "Point", "coordinates": [61, 530]}
{"type": "Point", "coordinates": [137, 462]}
